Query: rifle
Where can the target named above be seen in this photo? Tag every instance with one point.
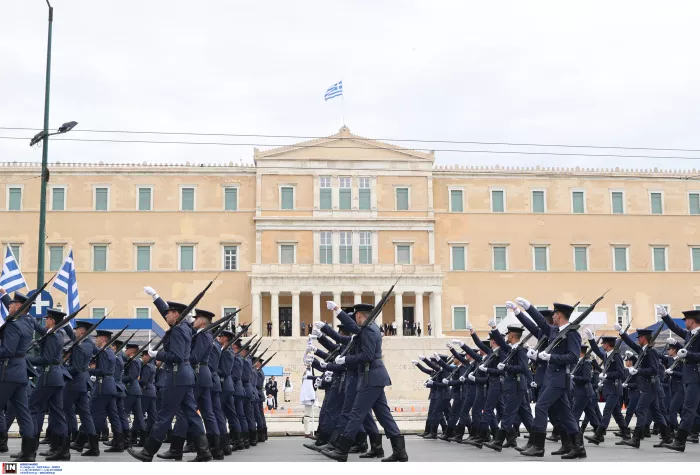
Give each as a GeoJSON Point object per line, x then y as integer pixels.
{"type": "Point", "coordinates": [609, 359]}
{"type": "Point", "coordinates": [80, 340]}
{"type": "Point", "coordinates": [109, 343]}
{"type": "Point", "coordinates": [244, 347]}
{"type": "Point", "coordinates": [219, 323]}
{"type": "Point", "coordinates": [186, 311]}
{"type": "Point", "coordinates": [25, 306]}
{"type": "Point", "coordinates": [57, 327]}
{"type": "Point", "coordinates": [235, 337]}
{"type": "Point", "coordinates": [687, 345]}
{"type": "Point", "coordinates": [573, 326]}
{"type": "Point", "coordinates": [644, 352]}
{"type": "Point", "coordinates": [579, 362]}
{"type": "Point", "coordinates": [137, 353]}
{"type": "Point", "coordinates": [123, 345]}
{"type": "Point", "coordinates": [268, 360]}
{"type": "Point", "coordinates": [521, 344]}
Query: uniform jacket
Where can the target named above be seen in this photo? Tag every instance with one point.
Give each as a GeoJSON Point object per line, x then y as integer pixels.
{"type": "Point", "coordinates": [690, 366]}
{"type": "Point", "coordinates": [199, 357]}
{"type": "Point", "coordinates": [104, 372]}
{"type": "Point", "coordinates": [213, 363]}
{"type": "Point", "coordinates": [225, 370]}
{"type": "Point", "coordinates": [52, 373]}
{"type": "Point", "coordinates": [175, 356]}
{"type": "Point", "coordinates": [15, 344]}
{"type": "Point", "coordinates": [371, 369]}
{"type": "Point", "coordinates": [247, 378]}
{"type": "Point", "coordinates": [612, 385]}
{"type": "Point", "coordinates": [119, 374]}
{"type": "Point", "coordinates": [492, 372]}
{"type": "Point", "coordinates": [516, 367]}
{"type": "Point", "coordinates": [542, 340]}
{"type": "Point", "coordinates": [147, 379]}
{"type": "Point", "coordinates": [78, 365]}
{"type": "Point", "coordinates": [581, 379]}
{"type": "Point", "coordinates": [648, 375]}
{"type": "Point", "coordinates": [132, 373]}
{"type": "Point", "coordinates": [238, 387]}
{"type": "Point", "coordinates": [563, 356]}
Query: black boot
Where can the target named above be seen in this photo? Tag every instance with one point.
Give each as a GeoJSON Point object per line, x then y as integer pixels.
{"type": "Point", "coordinates": [150, 448]}
{"type": "Point", "coordinates": [93, 446]}
{"type": "Point", "coordinates": [143, 435]}
{"type": "Point", "coordinates": [497, 443]}
{"type": "Point", "coordinates": [481, 436]}
{"type": "Point", "coordinates": [320, 443]}
{"type": "Point", "coordinates": [117, 443]}
{"type": "Point", "coordinates": [3, 443]}
{"type": "Point", "coordinates": [134, 437]}
{"type": "Point", "coordinates": [261, 436]}
{"type": "Point", "coordinates": [678, 443]}
{"type": "Point", "coordinates": [168, 437]}
{"type": "Point", "coordinates": [217, 452]}
{"type": "Point", "coordinates": [79, 443]}
{"type": "Point", "coordinates": [376, 450]}
{"type": "Point", "coordinates": [555, 437]}
{"type": "Point", "coordinates": [28, 451]}
{"type": "Point", "coordinates": [265, 433]}
{"type": "Point", "coordinates": [227, 445]}
{"type": "Point", "coordinates": [665, 435]}
{"type": "Point", "coordinates": [63, 452]}
{"type": "Point", "coordinates": [537, 447]}
{"type": "Point", "coordinates": [398, 447]}
{"type": "Point", "coordinates": [340, 453]}
{"type": "Point", "coordinates": [693, 435]}
{"type": "Point", "coordinates": [47, 438]}
{"type": "Point", "coordinates": [597, 437]}
{"type": "Point", "coordinates": [201, 446]}
{"type": "Point", "coordinates": [426, 431]}
{"type": "Point", "coordinates": [360, 446]}
{"type": "Point", "coordinates": [647, 432]}
{"type": "Point", "coordinates": [511, 439]}
{"type": "Point", "coordinates": [636, 438]}
{"type": "Point", "coordinates": [578, 451]}
{"type": "Point", "coordinates": [433, 433]}
{"type": "Point", "coordinates": [566, 445]}
{"type": "Point", "coordinates": [253, 437]}
{"type": "Point", "coordinates": [175, 450]}
{"type": "Point", "coordinates": [448, 434]}
{"type": "Point", "coordinates": [459, 434]}
{"type": "Point", "coordinates": [104, 436]}
{"type": "Point", "coordinates": [237, 442]}
{"type": "Point", "coordinates": [53, 447]}
{"type": "Point", "coordinates": [189, 446]}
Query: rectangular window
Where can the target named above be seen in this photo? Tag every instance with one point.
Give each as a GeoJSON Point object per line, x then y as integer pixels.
{"type": "Point", "coordinates": [459, 318]}
{"type": "Point", "coordinates": [402, 199]}
{"type": "Point", "coordinates": [620, 257]}
{"type": "Point", "coordinates": [365, 194]}
{"type": "Point", "coordinates": [101, 199]}
{"type": "Point", "coordinates": [99, 258]}
{"type": "Point", "coordinates": [403, 254]}
{"type": "Point", "coordinates": [55, 258]}
{"type": "Point", "coordinates": [326, 250]}
{"type": "Point", "coordinates": [187, 199]}
{"type": "Point", "coordinates": [538, 205]}
{"type": "Point", "coordinates": [694, 203]}
{"type": "Point", "coordinates": [500, 313]}
{"type": "Point", "coordinates": [499, 258]}
{"type": "Point", "coordinates": [230, 257]}
{"type": "Point", "coordinates": [578, 204]}
{"type": "Point", "coordinates": [695, 257]}
{"type": "Point", "coordinates": [618, 202]}
{"type": "Point", "coordinates": [456, 201]}
{"type": "Point", "coordinates": [345, 192]}
{"type": "Point", "coordinates": [186, 257]}
{"type": "Point", "coordinates": [231, 324]}
{"type": "Point", "coordinates": [581, 258]}
{"type": "Point", "coordinates": [145, 198]}
{"type": "Point", "coordinates": [14, 202]}
{"type": "Point", "coordinates": [581, 308]}
{"type": "Point", "coordinates": [498, 201]}
{"type": "Point", "coordinates": [659, 256]}
{"type": "Point", "coordinates": [326, 193]}
{"type": "Point", "coordinates": [287, 197]}
{"type": "Point", "coordinates": [621, 315]}
{"type": "Point", "coordinates": [657, 204]}
{"type": "Point", "coordinates": [143, 258]}
{"type": "Point", "coordinates": [542, 307]}
{"type": "Point", "coordinates": [58, 198]}
{"type": "Point", "coordinates": [458, 258]}
{"type": "Point", "coordinates": [287, 254]}
{"type": "Point", "coordinates": [143, 312]}
{"type": "Point", "coordinates": [230, 198]}
{"type": "Point", "coordinates": [345, 249]}
{"type": "Point", "coordinates": [540, 258]}
{"type": "Point", "coordinates": [16, 250]}
{"type": "Point", "coordinates": [365, 247]}
{"type": "Point", "coordinates": [98, 312]}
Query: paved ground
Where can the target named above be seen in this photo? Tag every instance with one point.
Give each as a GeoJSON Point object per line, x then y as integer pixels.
{"type": "Point", "coordinates": [289, 449]}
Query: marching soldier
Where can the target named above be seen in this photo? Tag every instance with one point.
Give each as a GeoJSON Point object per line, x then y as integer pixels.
{"type": "Point", "coordinates": [134, 393]}
{"type": "Point", "coordinates": [149, 395]}
{"type": "Point", "coordinates": [102, 367]}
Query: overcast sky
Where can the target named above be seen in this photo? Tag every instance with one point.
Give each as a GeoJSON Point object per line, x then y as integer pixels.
{"type": "Point", "coordinates": [594, 73]}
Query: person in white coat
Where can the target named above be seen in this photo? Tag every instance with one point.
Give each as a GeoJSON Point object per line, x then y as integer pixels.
{"type": "Point", "coordinates": [307, 397]}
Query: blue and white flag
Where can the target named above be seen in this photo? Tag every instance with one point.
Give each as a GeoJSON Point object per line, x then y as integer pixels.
{"type": "Point", "coordinates": [67, 283]}
{"type": "Point", "coordinates": [11, 279]}
{"type": "Point", "coordinates": [334, 91]}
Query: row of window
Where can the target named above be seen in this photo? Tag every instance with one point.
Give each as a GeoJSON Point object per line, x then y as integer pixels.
{"type": "Point", "coordinates": [460, 313]}
{"type": "Point", "coordinates": [144, 312]}
{"type": "Point", "coordinates": [581, 258]}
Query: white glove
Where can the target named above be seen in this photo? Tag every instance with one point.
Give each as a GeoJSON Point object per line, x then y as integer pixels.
{"type": "Point", "coordinates": [415, 362]}
{"type": "Point", "coordinates": [633, 371]}
{"type": "Point", "coordinates": [309, 360]}
{"type": "Point", "coordinates": [429, 383]}
{"type": "Point", "coordinates": [340, 360]}
{"type": "Point", "coordinates": [600, 384]}
{"type": "Point", "coordinates": [543, 355]}
{"type": "Point", "coordinates": [93, 378]}
{"type": "Point", "coordinates": [533, 384]}
{"type": "Point", "coordinates": [513, 307]}
{"type": "Point", "coordinates": [421, 357]}
{"type": "Point", "coordinates": [150, 291]}
{"type": "Point", "coordinates": [317, 383]}
{"type": "Point", "coordinates": [661, 311]}
{"type": "Point", "coordinates": [469, 326]}
{"type": "Point", "coordinates": [500, 366]}
{"type": "Point", "coordinates": [436, 356]}
{"type": "Point", "coordinates": [328, 376]}
{"type": "Point", "coordinates": [316, 332]}
{"type": "Point", "coordinates": [669, 371]}
{"type": "Point", "coordinates": [445, 381]}
{"type": "Point", "coordinates": [472, 377]}
{"type": "Point", "coordinates": [624, 385]}
{"type": "Point", "coordinates": [523, 303]}
{"type": "Point", "coordinates": [190, 319]}
{"type": "Point", "coordinates": [532, 354]}
{"type": "Point", "coordinates": [492, 323]}
{"type": "Point", "coordinates": [629, 353]}
{"type": "Point", "coordinates": [448, 345]}
{"type": "Point", "coordinates": [152, 353]}
{"type": "Point", "coordinates": [672, 341]}
{"type": "Point", "coordinates": [462, 379]}
{"type": "Point", "coordinates": [602, 376]}
{"type": "Point", "coordinates": [457, 342]}
{"type": "Point", "coordinates": [313, 337]}
{"type": "Point", "coordinates": [618, 328]}
{"type": "Point", "coordinates": [323, 364]}
{"type": "Point", "coordinates": [682, 353]}
{"type": "Point", "coordinates": [319, 325]}
{"type": "Point", "coordinates": [331, 305]}
{"type": "Point", "coordinates": [483, 368]}
{"type": "Point", "coordinates": [589, 334]}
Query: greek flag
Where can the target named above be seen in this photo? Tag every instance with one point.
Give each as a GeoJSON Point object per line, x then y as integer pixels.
{"type": "Point", "coordinates": [67, 283]}
{"type": "Point", "coordinates": [334, 91]}
{"type": "Point", "coordinates": [11, 279]}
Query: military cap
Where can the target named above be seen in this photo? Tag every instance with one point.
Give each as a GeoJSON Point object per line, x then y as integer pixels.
{"type": "Point", "coordinates": [176, 306]}
{"type": "Point", "coordinates": [677, 345]}
{"type": "Point", "coordinates": [19, 298]}
{"type": "Point", "coordinates": [363, 307]}
{"type": "Point", "coordinates": [349, 310]}
{"type": "Point", "coordinates": [610, 340]}
{"type": "Point", "coordinates": [645, 332]}
{"type": "Point", "coordinates": [567, 310]}
{"type": "Point", "coordinates": [238, 343]}
{"type": "Point", "coordinates": [117, 343]}
{"type": "Point", "coordinates": [443, 357]}
{"type": "Point", "coordinates": [83, 324]}
{"type": "Point", "coordinates": [228, 334]}
{"type": "Point", "coordinates": [694, 314]}
{"type": "Point", "coordinates": [204, 314]}
{"type": "Point", "coordinates": [144, 352]}
{"type": "Point", "coordinates": [584, 348]}
{"type": "Point", "coordinates": [132, 346]}
{"type": "Point", "coordinates": [55, 314]}
{"type": "Point", "coordinates": [341, 328]}
{"type": "Point", "coordinates": [514, 329]}
{"type": "Point", "coordinates": [106, 333]}
{"type": "Point", "coordinates": [633, 358]}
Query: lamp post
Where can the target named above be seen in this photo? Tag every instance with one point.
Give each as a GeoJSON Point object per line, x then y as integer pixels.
{"type": "Point", "coordinates": [44, 136]}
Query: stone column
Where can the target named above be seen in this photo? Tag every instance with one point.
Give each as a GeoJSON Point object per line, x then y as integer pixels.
{"type": "Point", "coordinates": [377, 297]}
{"type": "Point", "coordinates": [398, 312]}
{"type": "Point", "coordinates": [256, 318]}
{"type": "Point", "coordinates": [436, 312]}
{"type": "Point", "coordinates": [316, 294]}
{"type": "Point", "coordinates": [275, 313]}
{"type": "Point", "coordinates": [358, 298]}
{"type": "Point", "coordinates": [419, 313]}
{"type": "Point", "coordinates": [338, 299]}
{"type": "Point", "coordinates": [295, 313]}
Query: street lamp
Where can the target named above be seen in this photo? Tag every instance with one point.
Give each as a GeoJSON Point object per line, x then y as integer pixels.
{"type": "Point", "coordinates": [44, 136]}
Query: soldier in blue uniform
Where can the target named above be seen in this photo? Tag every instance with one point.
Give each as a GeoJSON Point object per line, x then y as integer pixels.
{"type": "Point", "coordinates": [224, 447]}
{"type": "Point", "coordinates": [583, 394]}
{"type": "Point", "coordinates": [105, 388]}
{"type": "Point", "coordinates": [14, 346]}
{"type": "Point", "coordinates": [260, 392]}
{"type": "Point", "coordinates": [556, 382]}
{"type": "Point", "coordinates": [690, 354]}
{"type": "Point", "coordinates": [148, 395]}
{"type": "Point", "coordinates": [228, 368]}
{"type": "Point", "coordinates": [457, 391]}
{"type": "Point", "coordinates": [249, 399]}
{"type": "Point", "coordinates": [179, 383]}
{"type": "Point", "coordinates": [468, 390]}
{"type": "Point", "coordinates": [134, 394]}
{"type": "Point", "coordinates": [632, 389]}
{"type": "Point", "coordinates": [240, 397]}
{"type": "Point", "coordinates": [441, 394]}
{"type": "Point", "coordinates": [76, 393]}
{"type": "Point", "coordinates": [121, 426]}
{"type": "Point", "coordinates": [372, 379]}
{"type": "Point", "coordinates": [675, 385]}
{"type": "Point", "coordinates": [493, 375]}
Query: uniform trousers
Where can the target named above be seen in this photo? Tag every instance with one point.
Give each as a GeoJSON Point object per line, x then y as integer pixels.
{"type": "Point", "coordinates": [455, 411]}
{"type": "Point", "coordinates": [631, 405]}
{"type": "Point", "coordinates": [689, 411]}
{"type": "Point", "coordinates": [101, 408]}
{"type": "Point", "coordinates": [478, 408]}
{"type": "Point", "coordinates": [612, 409]}
{"type": "Point", "coordinates": [132, 405]}
{"type": "Point", "coordinates": [467, 403]}
{"type": "Point", "coordinates": [203, 401]}
{"type": "Point", "coordinates": [675, 408]}
{"type": "Point", "coordinates": [556, 400]}
{"type": "Point", "coordinates": [239, 404]}
{"type": "Point", "coordinates": [148, 405]}
{"type": "Point", "coordinates": [257, 414]}
{"type": "Point", "coordinates": [493, 400]}
{"type": "Point", "coordinates": [516, 410]}
{"type": "Point", "coordinates": [13, 397]}
{"type": "Point", "coordinates": [368, 424]}
{"type": "Point", "coordinates": [332, 409]}
{"type": "Point", "coordinates": [435, 417]}
{"type": "Point", "coordinates": [371, 398]}
{"type": "Point", "coordinates": [249, 416]}
{"type": "Point", "coordinates": [648, 410]}
{"type": "Point", "coordinates": [178, 397]}
{"type": "Point", "coordinates": [76, 402]}
{"type": "Point", "coordinates": [123, 419]}
{"type": "Point", "coordinates": [582, 404]}
{"type": "Point", "coordinates": [51, 398]}
{"type": "Point", "coordinates": [230, 412]}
